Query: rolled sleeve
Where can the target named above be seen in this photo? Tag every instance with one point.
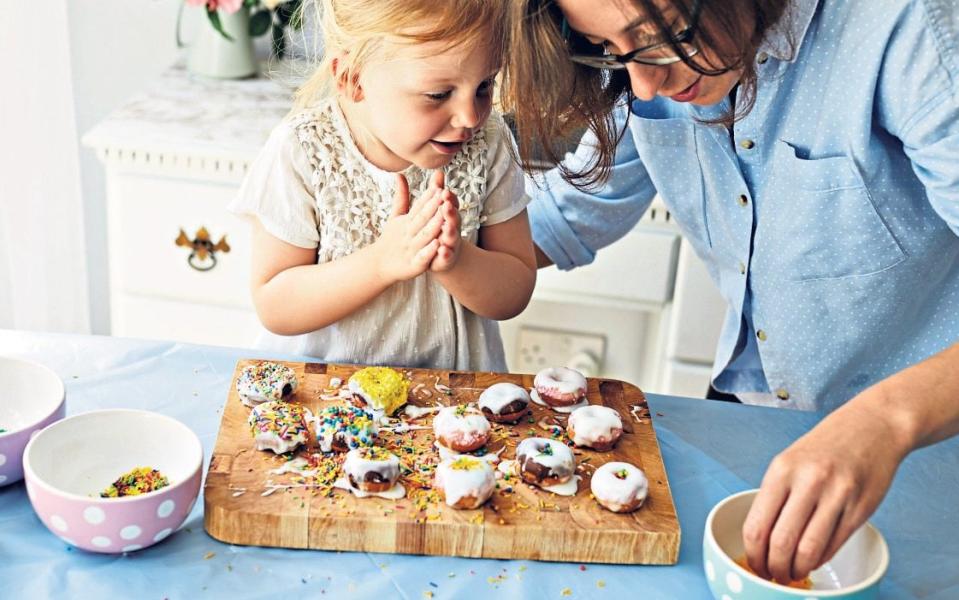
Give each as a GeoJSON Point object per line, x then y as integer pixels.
{"type": "Point", "coordinates": [569, 225]}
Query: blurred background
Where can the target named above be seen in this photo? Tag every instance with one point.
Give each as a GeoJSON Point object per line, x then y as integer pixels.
{"type": "Point", "coordinates": [120, 151]}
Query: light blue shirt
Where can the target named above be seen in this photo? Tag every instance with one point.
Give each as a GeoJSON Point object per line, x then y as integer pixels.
{"type": "Point", "coordinates": [829, 220]}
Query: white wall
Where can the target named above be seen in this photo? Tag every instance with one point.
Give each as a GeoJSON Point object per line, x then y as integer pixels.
{"type": "Point", "coordinates": [42, 269]}
{"type": "Point", "coordinates": [117, 48]}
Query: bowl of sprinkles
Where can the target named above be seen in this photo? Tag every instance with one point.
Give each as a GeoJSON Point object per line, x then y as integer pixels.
{"type": "Point", "coordinates": [854, 572]}
{"type": "Point", "coordinates": [113, 481]}
{"type": "Point", "coordinates": [33, 397]}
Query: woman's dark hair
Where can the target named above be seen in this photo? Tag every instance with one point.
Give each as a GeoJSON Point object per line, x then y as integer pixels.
{"type": "Point", "coordinates": [553, 99]}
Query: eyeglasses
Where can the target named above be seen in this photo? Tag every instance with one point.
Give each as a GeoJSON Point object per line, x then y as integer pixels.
{"type": "Point", "coordinates": [658, 54]}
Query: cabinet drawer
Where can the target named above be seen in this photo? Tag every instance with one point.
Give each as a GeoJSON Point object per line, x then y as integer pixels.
{"type": "Point", "coordinates": [638, 268]}
{"type": "Point", "coordinates": [684, 379]}
{"type": "Point", "coordinates": [145, 317]}
{"type": "Point", "coordinates": [146, 216]}
{"type": "Point", "coordinates": [698, 311]}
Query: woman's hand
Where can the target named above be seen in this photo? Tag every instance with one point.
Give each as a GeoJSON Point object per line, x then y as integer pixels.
{"type": "Point", "coordinates": [822, 488]}
{"type": "Point", "coordinates": [409, 241]}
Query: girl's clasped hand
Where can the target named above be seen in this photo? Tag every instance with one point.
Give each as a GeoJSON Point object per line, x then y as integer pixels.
{"type": "Point", "coordinates": [420, 238]}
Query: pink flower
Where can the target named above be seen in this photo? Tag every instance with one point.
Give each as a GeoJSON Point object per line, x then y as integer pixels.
{"type": "Point", "coordinates": [227, 6]}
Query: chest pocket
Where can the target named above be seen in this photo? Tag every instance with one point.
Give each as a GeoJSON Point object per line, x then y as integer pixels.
{"type": "Point", "coordinates": [824, 220]}
{"type": "Point", "coordinates": [668, 148]}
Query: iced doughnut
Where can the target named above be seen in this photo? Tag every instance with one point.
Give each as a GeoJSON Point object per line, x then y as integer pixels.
{"type": "Point", "coordinates": [545, 462]}
{"type": "Point", "coordinates": [265, 381]}
{"type": "Point", "coordinates": [461, 428]}
{"type": "Point", "coordinates": [371, 470]}
{"type": "Point", "coordinates": [380, 391]}
{"type": "Point", "coordinates": [619, 487]}
{"type": "Point", "coordinates": [560, 386]}
{"type": "Point", "coordinates": [503, 402]}
{"type": "Point", "coordinates": [279, 426]}
{"type": "Point", "coordinates": [465, 481]}
{"type": "Point", "coordinates": [343, 428]}
{"type": "Point", "coordinates": [596, 427]}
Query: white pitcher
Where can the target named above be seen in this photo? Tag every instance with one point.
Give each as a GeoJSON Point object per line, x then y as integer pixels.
{"type": "Point", "coordinates": [212, 55]}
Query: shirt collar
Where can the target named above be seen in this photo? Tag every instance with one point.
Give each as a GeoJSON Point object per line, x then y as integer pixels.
{"type": "Point", "coordinates": [784, 39]}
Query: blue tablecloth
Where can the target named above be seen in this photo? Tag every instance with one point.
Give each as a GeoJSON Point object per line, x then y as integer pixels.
{"type": "Point", "coordinates": [710, 449]}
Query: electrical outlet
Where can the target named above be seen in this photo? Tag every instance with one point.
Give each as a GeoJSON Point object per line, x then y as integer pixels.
{"type": "Point", "coordinates": [540, 348]}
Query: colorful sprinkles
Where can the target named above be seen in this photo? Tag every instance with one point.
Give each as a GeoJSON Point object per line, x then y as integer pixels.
{"type": "Point", "coordinates": [141, 480]}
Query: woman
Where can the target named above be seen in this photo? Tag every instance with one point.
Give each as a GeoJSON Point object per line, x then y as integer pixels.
{"type": "Point", "coordinates": [809, 151]}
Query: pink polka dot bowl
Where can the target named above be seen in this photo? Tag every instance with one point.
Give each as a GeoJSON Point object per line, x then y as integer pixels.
{"type": "Point", "coordinates": [69, 463]}
{"type": "Point", "coordinates": [32, 398]}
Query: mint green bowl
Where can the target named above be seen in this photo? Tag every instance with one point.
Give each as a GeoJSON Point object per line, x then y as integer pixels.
{"type": "Point", "coordinates": [852, 574]}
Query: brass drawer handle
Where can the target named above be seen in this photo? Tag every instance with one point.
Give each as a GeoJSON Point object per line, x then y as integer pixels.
{"type": "Point", "coordinates": [203, 254]}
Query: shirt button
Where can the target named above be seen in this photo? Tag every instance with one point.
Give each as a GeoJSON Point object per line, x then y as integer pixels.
{"type": "Point", "coordinates": [782, 394]}
{"type": "Point", "coordinates": [742, 268]}
{"type": "Point", "coordinates": [743, 200]}
{"type": "Point", "coordinates": [747, 144]}
{"type": "Point", "coordinates": [762, 58]}
{"type": "Point", "coordinates": [761, 335]}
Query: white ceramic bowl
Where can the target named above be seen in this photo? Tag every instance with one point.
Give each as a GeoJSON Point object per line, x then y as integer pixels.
{"type": "Point", "coordinates": [32, 397]}
{"type": "Point", "coordinates": [852, 574]}
{"type": "Point", "coordinates": [68, 464]}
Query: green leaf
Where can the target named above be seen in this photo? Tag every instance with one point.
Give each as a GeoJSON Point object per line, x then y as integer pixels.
{"type": "Point", "coordinates": [260, 22]}
{"type": "Point", "coordinates": [215, 21]}
{"type": "Point", "coordinates": [279, 42]}
{"type": "Point", "coordinates": [296, 19]}
{"type": "Point", "coordinates": [250, 3]}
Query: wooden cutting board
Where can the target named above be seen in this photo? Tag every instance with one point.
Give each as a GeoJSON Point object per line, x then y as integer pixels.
{"type": "Point", "coordinates": [526, 523]}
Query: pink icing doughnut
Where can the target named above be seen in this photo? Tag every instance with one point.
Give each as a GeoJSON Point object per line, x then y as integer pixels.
{"type": "Point", "coordinates": [461, 428]}
{"type": "Point", "coordinates": [560, 386]}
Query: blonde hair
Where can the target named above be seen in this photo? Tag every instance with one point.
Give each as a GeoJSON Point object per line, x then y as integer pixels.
{"type": "Point", "coordinates": [355, 33]}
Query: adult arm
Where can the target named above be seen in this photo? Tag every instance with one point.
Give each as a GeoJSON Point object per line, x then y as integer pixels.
{"type": "Point", "coordinates": [569, 226]}
{"type": "Point", "coordinates": [818, 491]}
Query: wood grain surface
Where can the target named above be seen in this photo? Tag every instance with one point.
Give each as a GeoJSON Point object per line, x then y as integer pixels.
{"type": "Point", "coordinates": [518, 522]}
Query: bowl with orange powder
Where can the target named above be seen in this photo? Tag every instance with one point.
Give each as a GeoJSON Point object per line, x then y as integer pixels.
{"type": "Point", "coordinates": [853, 573]}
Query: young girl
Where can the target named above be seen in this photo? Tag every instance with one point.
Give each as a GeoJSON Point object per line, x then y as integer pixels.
{"type": "Point", "coordinates": [389, 218]}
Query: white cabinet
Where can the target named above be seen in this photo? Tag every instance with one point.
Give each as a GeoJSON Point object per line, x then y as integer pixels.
{"type": "Point", "coordinates": [174, 158]}
{"type": "Point", "coordinates": [176, 155]}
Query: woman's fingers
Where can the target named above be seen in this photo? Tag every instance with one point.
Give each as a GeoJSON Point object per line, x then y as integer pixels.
{"type": "Point", "coordinates": [787, 531]}
{"type": "Point", "coordinates": [760, 520]}
{"type": "Point", "coordinates": [822, 526]}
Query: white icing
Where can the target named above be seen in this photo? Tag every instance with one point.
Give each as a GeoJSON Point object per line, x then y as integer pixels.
{"type": "Point", "coordinates": [415, 412]}
{"type": "Point", "coordinates": [271, 439]}
{"type": "Point", "coordinates": [609, 488]}
{"type": "Point", "coordinates": [567, 488]}
{"type": "Point", "coordinates": [561, 380]}
{"type": "Point", "coordinates": [263, 382]}
{"type": "Point", "coordinates": [593, 423]}
{"type": "Point", "coordinates": [534, 396]}
{"type": "Point", "coordinates": [336, 382]}
{"type": "Point", "coordinates": [446, 453]}
{"type": "Point", "coordinates": [560, 460]}
{"type": "Point", "coordinates": [498, 395]}
{"type": "Point", "coordinates": [358, 467]}
{"type": "Point", "coordinates": [295, 466]}
{"type": "Point", "coordinates": [460, 483]}
{"type": "Point", "coordinates": [448, 422]}
{"type": "Point", "coordinates": [394, 493]}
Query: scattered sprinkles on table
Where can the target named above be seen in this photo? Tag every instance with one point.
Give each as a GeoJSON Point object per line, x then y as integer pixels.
{"type": "Point", "coordinates": [141, 480]}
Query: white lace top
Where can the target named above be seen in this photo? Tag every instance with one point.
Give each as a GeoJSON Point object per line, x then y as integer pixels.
{"type": "Point", "coordinates": [311, 187]}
